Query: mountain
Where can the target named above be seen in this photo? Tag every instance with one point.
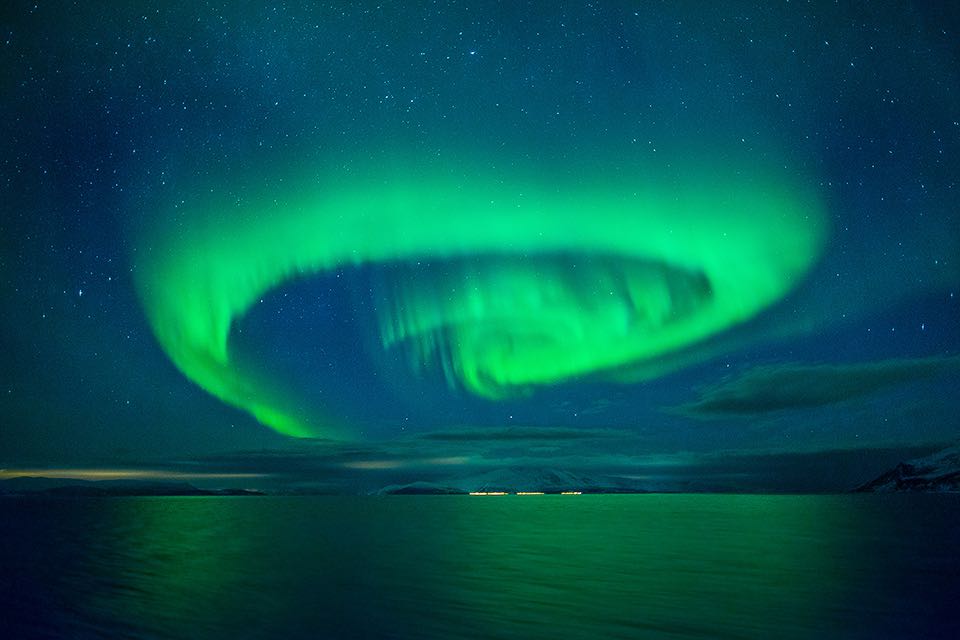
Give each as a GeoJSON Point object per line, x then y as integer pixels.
{"type": "Point", "coordinates": [40, 486]}
{"type": "Point", "coordinates": [420, 489]}
{"type": "Point", "coordinates": [512, 480]}
{"type": "Point", "coordinates": [939, 472]}
{"type": "Point", "coordinates": [545, 480]}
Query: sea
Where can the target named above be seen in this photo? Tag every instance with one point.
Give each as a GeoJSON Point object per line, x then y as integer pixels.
{"type": "Point", "coordinates": [421, 567]}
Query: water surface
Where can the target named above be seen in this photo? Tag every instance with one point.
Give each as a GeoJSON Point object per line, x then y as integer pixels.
{"type": "Point", "coordinates": [637, 566]}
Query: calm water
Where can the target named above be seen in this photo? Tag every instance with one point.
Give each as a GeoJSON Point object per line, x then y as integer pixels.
{"type": "Point", "coordinates": [646, 566]}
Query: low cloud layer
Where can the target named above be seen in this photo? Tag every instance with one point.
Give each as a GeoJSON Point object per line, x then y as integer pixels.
{"type": "Point", "coordinates": [792, 386]}
{"type": "Point", "coordinates": [447, 457]}
{"type": "Point", "coordinates": [510, 434]}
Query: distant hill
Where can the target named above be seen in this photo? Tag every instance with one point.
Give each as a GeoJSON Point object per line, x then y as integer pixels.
{"type": "Point", "coordinates": [40, 486]}
{"type": "Point", "coordinates": [420, 489]}
{"type": "Point", "coordinates": [939, 472]}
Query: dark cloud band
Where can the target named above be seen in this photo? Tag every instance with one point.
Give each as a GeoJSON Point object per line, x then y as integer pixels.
{"type": "Point", "coordinates": [792, 386]}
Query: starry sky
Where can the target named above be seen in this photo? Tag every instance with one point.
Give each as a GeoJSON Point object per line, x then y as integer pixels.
{"type": "Point", "coordinates": [436, 236]}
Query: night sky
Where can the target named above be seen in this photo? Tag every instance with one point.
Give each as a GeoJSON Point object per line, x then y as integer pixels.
{"type": "Point", "coordinates": [329, 239]}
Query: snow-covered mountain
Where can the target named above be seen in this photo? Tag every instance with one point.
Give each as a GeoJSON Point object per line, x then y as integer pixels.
{"type": "Point", "coordinates": [939, 472]}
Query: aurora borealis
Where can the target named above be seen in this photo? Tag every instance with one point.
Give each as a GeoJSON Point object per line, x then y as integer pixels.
{"type": "Point", "coordinates": [658, 269]}
{"type": "Point", "coordinates": [706, 231]}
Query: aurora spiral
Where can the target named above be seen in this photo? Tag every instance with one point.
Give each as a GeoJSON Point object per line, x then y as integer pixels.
{"type": "Point", "coordinates": [503, 286]}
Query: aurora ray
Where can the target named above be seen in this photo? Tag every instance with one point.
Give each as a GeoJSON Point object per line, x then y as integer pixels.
{"type": "Point", "coordinates": [537, 283]}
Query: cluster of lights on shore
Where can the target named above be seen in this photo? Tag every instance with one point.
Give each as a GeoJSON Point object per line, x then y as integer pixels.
{"type": "Point", "coordinates": [521, 493]}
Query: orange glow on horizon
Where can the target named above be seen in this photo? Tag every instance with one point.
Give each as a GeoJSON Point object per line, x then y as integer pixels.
{"type": "Point", "coordinates": [401, 463]}
{"type": "Point", "coordinates": [120, 474]}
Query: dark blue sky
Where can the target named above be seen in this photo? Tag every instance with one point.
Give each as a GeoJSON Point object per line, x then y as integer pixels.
{"type": "Point", "coordinates": [113, 116]}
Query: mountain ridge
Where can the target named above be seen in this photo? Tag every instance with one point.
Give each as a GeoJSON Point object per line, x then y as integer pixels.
{"type": "Point", "coordinates": [936, 473]}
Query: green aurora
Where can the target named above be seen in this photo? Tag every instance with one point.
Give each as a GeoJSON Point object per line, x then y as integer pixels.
{"type": "Point", "coordinates": [533, 283]}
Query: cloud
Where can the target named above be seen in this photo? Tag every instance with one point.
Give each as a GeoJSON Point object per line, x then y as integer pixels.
{"type": "Point", "coordinates": [424, 455]}
{"type": "Point", "coordinates": [500, 434]}
{"type": "Point", "coordinates": [793, 386]}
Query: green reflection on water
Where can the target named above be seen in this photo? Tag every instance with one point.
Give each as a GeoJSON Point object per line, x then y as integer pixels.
{"type": "Point", "coordinates": [571, 566]}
